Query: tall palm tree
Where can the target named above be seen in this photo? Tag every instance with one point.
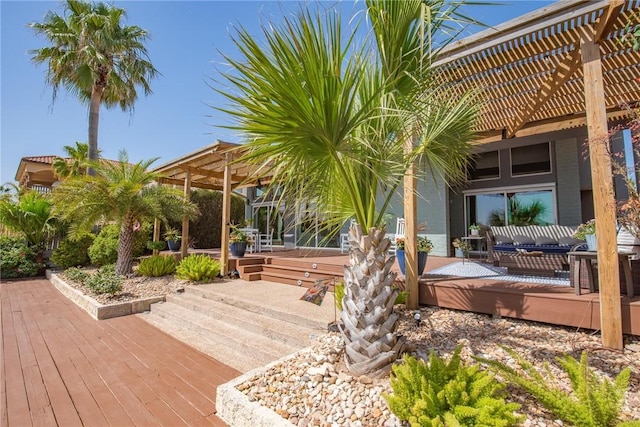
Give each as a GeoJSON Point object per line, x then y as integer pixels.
{"type": "Point", "coordinates": [120, 192]}
{"type": "Point", "coordinates": [75, 161]}
{"type": "Point", "coordinates": [94, 56]}
{"type": "Point", "coordinates": [328, 117]}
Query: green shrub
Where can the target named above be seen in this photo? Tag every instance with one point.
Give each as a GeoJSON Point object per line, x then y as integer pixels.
{"type": "Point", "coordinates": [72, 253]}
{"type": "Point", "coordinates": [198, 268]}
{"type": "Point", "coordinates": [448, 394]}
{"type": "Point", "coordinates": [594, 402]}
{"type": "Point", "coordinates": [338, 294]}
{"type": "Point", "coordinates": [16, 259]}
{"type": "Point", "coordinates": [104, 249]}
{"type": "Point", "coordinates": [401, 298]}
{"type": "Point", "coordinates": [157, 265]}
{"type": "Point", "coordinates": [160, 245]}
{"type": "Point", "coordinates": [76, 274]}
{"type": "Point", "coordinates": [105, 281]}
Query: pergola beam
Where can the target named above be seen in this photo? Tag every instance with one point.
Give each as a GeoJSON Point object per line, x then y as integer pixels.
{"type": "Point", "coordinates": [184, 246]}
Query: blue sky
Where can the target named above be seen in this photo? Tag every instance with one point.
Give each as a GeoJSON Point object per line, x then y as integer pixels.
{"type": "Point", "coordinates": [186, 40]}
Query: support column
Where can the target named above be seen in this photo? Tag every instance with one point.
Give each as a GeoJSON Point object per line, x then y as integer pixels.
{"type": "Point", "coordinates": [184, 246]}
{"type": "Point", "coordinates": [226, 216]}
{"type": "Point", "coordinates": [603, 195]}
{"type": "Point", "coordinates": [410, 233]}
{"type": "Point", "coordinates": [156, 233]}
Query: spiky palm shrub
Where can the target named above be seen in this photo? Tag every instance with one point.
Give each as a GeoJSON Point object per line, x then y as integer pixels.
{"type": "Point", "coordinates": [329, 119]}
{"type": "Point", "coordinates": [121, 192]}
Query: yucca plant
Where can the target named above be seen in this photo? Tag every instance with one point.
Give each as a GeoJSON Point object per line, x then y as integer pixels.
{"type": "Point", "coordinates": [198, 268]}
{"type": "Point", "coordinates": [337, 122]}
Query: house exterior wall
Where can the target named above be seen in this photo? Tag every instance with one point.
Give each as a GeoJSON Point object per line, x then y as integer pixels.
{"type": "Point", "coordinates": [568, 182]}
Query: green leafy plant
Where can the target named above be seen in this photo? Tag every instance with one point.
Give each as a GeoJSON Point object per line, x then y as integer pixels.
{"type": "Point", "coordinates": [238, 236]}
{"type": "Point", "coordinates": [104, 249]}
{"type": "Point", "coordinates": [338, 294]}
{"type": "Point", "coordinates": [424, 244]}
{"type": "Point", "coordinates": [594, 401]}
{"type": "Point", "coordinates": [401, 298]}
{"type": "Point", "coordinates": [474, 227]}
{"type": "Point", "coordinates": [17, 259]}
{"type": "Point", "coordinates": [157, 265]}
{"type": "Point", "coordinates": [156, 246]}
{"type": "Point", "coordinates": [588, 227]}
{"type": "Point", "coordinates": [172, 234]}
{"type": "Point", "coordinates": [448, 394]}
{"type": "Point", "coordinates": [198, 268]}
{"type": "Point", "coordinates": [105, 281]}
{"type": "Point", "coordinates": [73, 252]}
{"type": "Point", "coordinates": [76, 274]}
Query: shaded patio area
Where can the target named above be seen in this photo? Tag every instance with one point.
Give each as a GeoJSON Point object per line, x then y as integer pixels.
{"type": "Point", "coordinates": [60, 367]}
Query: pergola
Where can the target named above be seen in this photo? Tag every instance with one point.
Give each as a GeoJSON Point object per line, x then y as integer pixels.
{"type": "Point", "coordinates": [556, 68]}
{"type": "Point", "coordinates": [560, 67]}
{"type": "Point", "coordinates": [214, 167]}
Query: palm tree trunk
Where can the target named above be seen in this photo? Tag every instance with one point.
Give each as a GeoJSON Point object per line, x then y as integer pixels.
{"type": "Point", "coordinates": [94, 119]}
{"type": "Point", "coordinates": [369, 324]}
{"type": "Point", "coordinates": [124, 264]}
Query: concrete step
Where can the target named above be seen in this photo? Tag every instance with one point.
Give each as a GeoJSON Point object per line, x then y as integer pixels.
{"type": "Point", "coordinates": [271, 299]}
{"type": "Point", "coordinates": [287, 333]}
{"type": "Point", "coordinates": [262, 349]}
{"type": "Point", "coordinates": [212, 346]}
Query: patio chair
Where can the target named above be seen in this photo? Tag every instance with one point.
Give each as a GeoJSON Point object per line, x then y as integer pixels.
{"type": "Point", "coordinates": [265, 241]}
{"type": "Point", "coordinates": [394, 237]}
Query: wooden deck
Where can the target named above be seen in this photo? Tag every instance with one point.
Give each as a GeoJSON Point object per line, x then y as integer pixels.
{"type": "Point", "coordinates": [61, 367]}
{"type": "Point", "coordinates": [521, 300]}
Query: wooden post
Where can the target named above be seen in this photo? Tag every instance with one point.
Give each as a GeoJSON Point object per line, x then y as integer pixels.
{"type": "Point", "coordinates": [156, 233]}
{"type": "Point", "coordinates": [603, 196]}
{"type": "Point", "coordinates": [410, 236]}
{"type": "Point", "coordinates": [226, 216]}
{"type": "Point", "coordinates": [184, 246]}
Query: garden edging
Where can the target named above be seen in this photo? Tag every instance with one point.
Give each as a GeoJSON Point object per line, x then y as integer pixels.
{"type": "Point", "coordinates": [95, 309]}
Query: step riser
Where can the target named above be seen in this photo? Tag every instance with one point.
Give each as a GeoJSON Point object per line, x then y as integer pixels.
{"type": "Point", "coordinates": [259, 353]}
{"type": "Point", "coordinates": [218, 350]}
{"type": "Point", "coordinates": [307, 265]}
{"type": "Point", "coordinates": [268, 327]}
{"type": "Point", "coordinates": [312, 274]}
{"type": "Point", "coordinates": [286, 317]}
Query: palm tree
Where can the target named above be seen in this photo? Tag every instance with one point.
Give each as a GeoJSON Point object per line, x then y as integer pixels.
{"type": "Point", "coordinates": [29, 213]}
{"type": "Point", "coordinates": [75, 161]}
{"type": "Point", "coordinates": [120, 192]}
{"type": "Point", "coordinates": [329, 118]}
{"type": "Point", "coordinates": [95, 57]}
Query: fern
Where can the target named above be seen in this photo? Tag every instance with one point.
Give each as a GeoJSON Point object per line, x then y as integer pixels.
{"type": "Point", "coordinates": [157, 265]}
{"type": "Point", "coordinates": [595, 401]}
{"type": "Point", "coordinates": [448, 394]}
{"type": "Point", "coordinates": [198, 268]}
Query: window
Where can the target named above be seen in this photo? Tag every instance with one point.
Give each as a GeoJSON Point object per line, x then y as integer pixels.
{"type": "Point", "coordinates": [522, 207]}
{"type": "Point", "coordinates": [486, 166]}
{"type": "Point", "coordinates": [531, 159]}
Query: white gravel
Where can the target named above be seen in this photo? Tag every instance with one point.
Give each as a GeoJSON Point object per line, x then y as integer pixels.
{"type": "Point", "coordinates": [315, 389]}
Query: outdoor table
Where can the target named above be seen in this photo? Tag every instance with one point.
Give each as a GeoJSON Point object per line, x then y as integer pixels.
{"type": "Point", "coordinates": [591, 258]}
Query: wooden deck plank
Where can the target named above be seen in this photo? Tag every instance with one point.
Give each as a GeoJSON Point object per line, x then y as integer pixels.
{"type": "Point", "coordinates": [17, 400]}
{"type": "Point", "coordinates": [4, 307]}
{"type": "Point", "coordinates": [124, 372]}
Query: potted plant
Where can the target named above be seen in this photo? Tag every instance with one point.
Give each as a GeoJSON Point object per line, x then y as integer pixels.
{"type": "Point", "coordinates": [587, 232]}
{"type": "Point", "coordinates": [424, 247]}
{"type": "Point", "coordinates": [238, 239]}
{"type": "Point", "coordinates": [173, 239]}
{"type": "Point", "coordinates": [462, 248]}
{"type": "Point", "coordinates": [474, 229]}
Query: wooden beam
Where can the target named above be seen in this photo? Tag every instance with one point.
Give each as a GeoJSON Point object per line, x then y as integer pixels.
{"type": "Point", "coordinates": [184, 246]}
{"type": "Point", "coordinates": [608, 19]}
{"type": "Point", "coordinates": [180, 182]}
{"type": "Point", "coordinates": [410, 232]}
{"type": "Point", "coordinates": [603, 197]}
{"type": "Point", "coordinates": [156, 233]}
{"type": "Point", "coordinates": [549, 87]}
{"type": "Point", "coordinates": [226, 217]}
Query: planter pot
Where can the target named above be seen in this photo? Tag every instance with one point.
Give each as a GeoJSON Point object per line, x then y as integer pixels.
{"type": "Point", "coordinates": [238, 249]}
{"type": "Point", "coordinates": [474, 232]}
{"type": "Point", "coordinates": [174, 245]}
{"type": "Point", "coordinates": [422, 261]}
{"type": "Point", "coordinates": [592, 242]}
{"type": "Point", "coordinates": [459, 253]}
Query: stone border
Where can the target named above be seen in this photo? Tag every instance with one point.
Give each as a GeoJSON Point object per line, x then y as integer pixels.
{"type": "Point", "coordinates": [235, 408]}
{"type": "Point", "coordinates": [95, 309]}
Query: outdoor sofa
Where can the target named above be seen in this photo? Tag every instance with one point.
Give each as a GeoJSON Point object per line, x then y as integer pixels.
{"type": "Point", "coordinates": [537, 250]}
